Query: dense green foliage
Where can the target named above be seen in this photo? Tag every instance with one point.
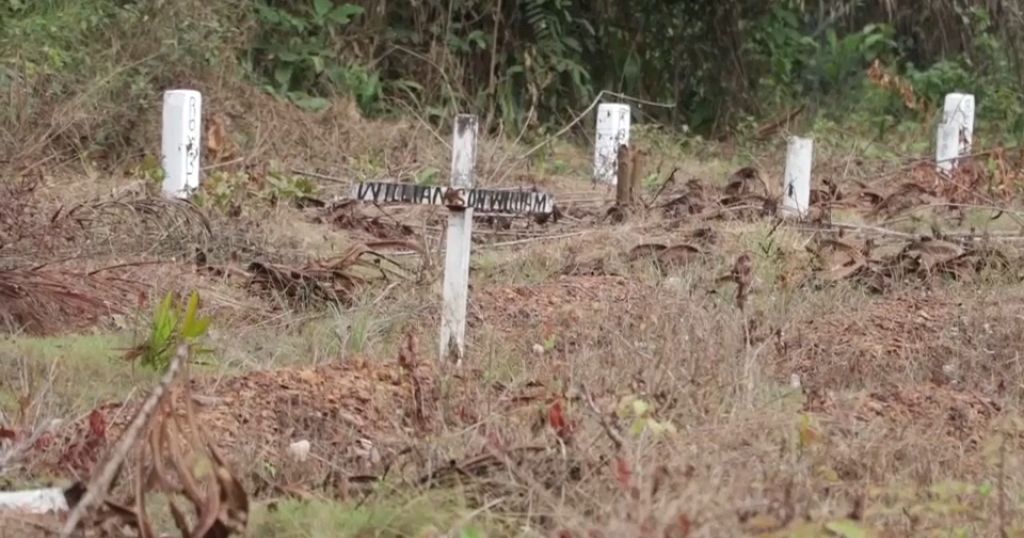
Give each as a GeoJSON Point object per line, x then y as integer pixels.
{"type": "Point", "coordinates": [719, 62]}
{"type": "Point", "coordinates": [524, 62]}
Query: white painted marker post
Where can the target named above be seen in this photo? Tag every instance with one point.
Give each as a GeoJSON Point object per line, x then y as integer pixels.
{"type": "Point", "coordinates": [955, 131]}
{"type": "Point", "coordinates": [796, 184]}
{"type": "Point", "coordinates": [460, 229]}
{"type": "Point", "coordinates": [37, 501]}
{"type": "Point", "coordinates": [182, 127]}
{"type": "Point", "coordinates": [612, 132]}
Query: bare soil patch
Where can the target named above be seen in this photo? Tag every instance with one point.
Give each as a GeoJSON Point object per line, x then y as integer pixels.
{"type": "Point", "coordinates": [878, 336]}
{"type": "Point", "coordinates": [352, 413]}
{"type": "Point", "coordinates": [560, 306]}
{"type": "Point", "coordinates": [952, 416]}
{"type": "Point", "coordinates": [938, 336]}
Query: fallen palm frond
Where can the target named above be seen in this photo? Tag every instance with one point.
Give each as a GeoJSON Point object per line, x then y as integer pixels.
{"type": "Point", "coordinates": [838, 259]}
{"type": "Point", "coordinates": [349, 215]}
{"type": "Point", "coordinates": [153, 220]}
{"type": "Point", "coordinates": [43, 301]}
{"type": "Point", "coordinates": [334, 280]}
{"type": "Point", "coordinates": [745, 197]}
{"type": "Point", "coordinates": [220, 503]}
{"type": "Point", "coordinates": [31, 231]}
{"type": "Point", "coordinates": [180, 213]}
{"type": "Point", "coordinates": [98, 488]}
{"type": "Point", "coordinates": [166, 442]}
{"type": "Point", "coordinates": [667, 257]}
{"type": "Point", "coordinates": [27, 230]}
{"type": "Point", "coordinates": [923, 260]}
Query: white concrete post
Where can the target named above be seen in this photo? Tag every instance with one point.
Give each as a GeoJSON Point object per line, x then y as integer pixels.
{"type": "Point", "coordinates": [955, 131]}
{"type": "Point", "coordinates": [460, 228]}
{"type": "Point", "coordinates": [179, 151]}
{"type": "Point", "coordinates": [37, 501]}
{"type": "Point", "coordinates": [796, 184]}
{"type": "Point", "coordinates": [612, 132]}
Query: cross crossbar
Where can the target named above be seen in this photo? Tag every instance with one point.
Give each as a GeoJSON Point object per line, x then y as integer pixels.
{"type": "Point", "coordinates": [514, 202]}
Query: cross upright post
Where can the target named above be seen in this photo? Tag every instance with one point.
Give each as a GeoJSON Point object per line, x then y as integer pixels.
{"type": "Point", "coordinates": [459, 241]}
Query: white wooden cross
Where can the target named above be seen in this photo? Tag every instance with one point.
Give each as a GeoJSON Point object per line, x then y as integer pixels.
{"type": "Point", "coordinates": [462, 201]}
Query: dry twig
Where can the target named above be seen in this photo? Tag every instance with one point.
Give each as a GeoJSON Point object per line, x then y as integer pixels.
{"type": "Point", "coordinates": [99, 485]}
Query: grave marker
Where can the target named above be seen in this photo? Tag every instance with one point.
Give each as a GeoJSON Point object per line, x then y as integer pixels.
{"type": "Point", "coordinates": [36, 501]}
{"type": "Point", "coordinates": [462, 201]}
{"type": "Point", "coordinates": [796, 184]}
{"type": "Point", "coordinates": [181, 134]}
{"type": "Point", "coordinates": [508, 202]}
{"type": "Point", "coordinates": [612, 132]}
{"type": "Point", "coordinates": [955, 131]}
{"type": "Point", "coordinates": [455, 291]}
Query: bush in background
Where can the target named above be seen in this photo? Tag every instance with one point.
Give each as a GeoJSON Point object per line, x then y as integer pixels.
{"type": "Point", "coordinates": [77, 77]}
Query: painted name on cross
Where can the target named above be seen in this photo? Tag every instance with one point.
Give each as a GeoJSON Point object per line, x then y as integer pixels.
{"type": "Point", "coordinates": [481, 200]}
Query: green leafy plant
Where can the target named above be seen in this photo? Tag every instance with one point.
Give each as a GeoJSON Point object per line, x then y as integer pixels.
{"type": "Point", "coordinates": [808, 433]}
{"type": "Point", "coordinates": [228, 190]}
{"type": "Point", "coordinates": [149, 170]}
{"type": "Point", "coordinates": [428, 176]}
{"type": "Point", "coordinates": [298, 57]}
{"type": "Point", "coordinates": [288, 187]}
{"type": "Point", "coordinates": [641, 416]}
{"type": "Point", "coordinates": [779, 43]}
{"type": "Point", "coordinates": [222, 190]}
{"type": "Point", "coordinates": [173, 324]}
{"type": "Point", "coordinates": [471, 532]}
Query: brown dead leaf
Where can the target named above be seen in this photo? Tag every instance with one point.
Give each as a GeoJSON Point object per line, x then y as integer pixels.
{"type": "Point", "coordinates": [645, 250]}
{"type": "Point", "coordinates": [839, 259]}
{"type": "Point", "coordinates": [746, 181]}
{"type": "Point", "coordinates": [886, 80]}
{"type": "Point", "coordinates": [679, 256]}
{"type": "Point", "coordinates": [219, 146]}
{"type": "Point", "coordinates": [742, 274]}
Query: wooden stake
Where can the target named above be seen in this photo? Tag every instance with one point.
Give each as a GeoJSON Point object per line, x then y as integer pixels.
{"type": "Point", "coordinates": [636, 177]}
{"type": "Point", "coordinates": [623, 194]}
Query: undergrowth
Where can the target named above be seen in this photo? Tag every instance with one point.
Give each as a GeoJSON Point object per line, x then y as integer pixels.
{"type": "Point", "coordinates": [82, 81]}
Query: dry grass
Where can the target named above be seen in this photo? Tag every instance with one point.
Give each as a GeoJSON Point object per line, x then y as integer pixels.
{"type": "Point", "coordinates": [606, 394]}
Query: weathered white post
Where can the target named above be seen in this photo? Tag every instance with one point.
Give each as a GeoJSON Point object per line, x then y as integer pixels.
{"type": "Point", "coordinates": [612, 132]}
{"type": "Point", "coordinates": [460, 229]}
{"type": "Point", "coordinates": [955, 131]}
{"type": "Point", "coordinates": [179, 151]}
{"type": "Point", "coordinates": [37, 501]}
{"type": "Point", "coordinates": [796, 184]}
